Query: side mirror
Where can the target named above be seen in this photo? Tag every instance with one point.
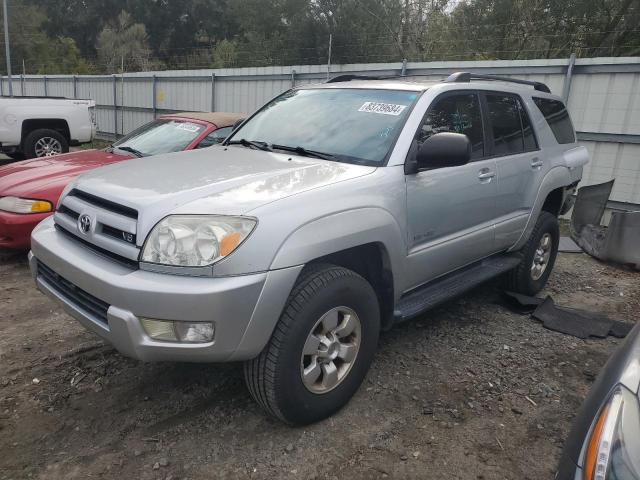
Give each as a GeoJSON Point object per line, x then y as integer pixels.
{"type": "Point", "coordinates": [444, 150]}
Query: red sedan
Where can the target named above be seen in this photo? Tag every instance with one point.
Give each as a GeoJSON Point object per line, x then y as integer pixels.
{"type": "Point", "coordinates": [29, 190]}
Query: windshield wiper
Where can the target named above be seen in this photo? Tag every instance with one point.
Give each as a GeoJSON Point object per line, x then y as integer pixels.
{"type": "Point", "coordinates": [137, 153]}
{"type": "Point", "coordinates": [251, 143]}
{"type": "Point", "coordinates": [305, 152]}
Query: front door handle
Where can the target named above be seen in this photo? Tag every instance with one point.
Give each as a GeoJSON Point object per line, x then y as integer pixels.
{"type": "Point", "coordinates": [485, 175]}
{"type": "Point", "coordinates": [536, 163]}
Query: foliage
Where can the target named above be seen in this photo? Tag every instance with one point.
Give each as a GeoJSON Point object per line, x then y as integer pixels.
{"type": "Point", "coordinates": [123, 45]}
{"type": "Point", "coordinates": [35, 50]}
{"type": "Point", "coordinates": [78, 36]}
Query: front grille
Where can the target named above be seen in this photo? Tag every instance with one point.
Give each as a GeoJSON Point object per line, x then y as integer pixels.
{"type": "Point", "coordinates": [119, 234]}
{"type": "Point", "coordinates": [132, 264]}
{"type": "Point", "coordinates": [107, 227]}
{"type": "Point", "coordinates": [67, 211]}
{"type": "Point", "coordinates": [74, 295]}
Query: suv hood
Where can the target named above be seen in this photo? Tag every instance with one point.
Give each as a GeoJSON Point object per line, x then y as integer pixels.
{"type": "Point", "coordinates": [216, 180]}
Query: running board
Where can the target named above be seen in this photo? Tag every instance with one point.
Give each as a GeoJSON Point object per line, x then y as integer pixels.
{"type": "Point", "coordinates": [451, 285]}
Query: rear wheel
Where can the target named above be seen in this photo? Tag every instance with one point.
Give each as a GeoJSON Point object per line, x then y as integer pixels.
{"type": "Point", "coordinates": [44, 143]}
{"type": "Point", "coordinates": [321, 348]}
{"type": "Point", "coordinates": [538, 257]}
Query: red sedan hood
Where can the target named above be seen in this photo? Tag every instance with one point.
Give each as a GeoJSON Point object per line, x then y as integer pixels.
{"type": "Point", "coordinates": [45, 178]}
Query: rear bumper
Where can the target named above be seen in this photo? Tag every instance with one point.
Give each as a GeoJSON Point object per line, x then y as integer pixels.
{"type": "Point", "coordinates": [244, 308]}
{"type": "Point", "coordinates": [84, 134]}
{"type": "Point", "coordinates": [15, 229]}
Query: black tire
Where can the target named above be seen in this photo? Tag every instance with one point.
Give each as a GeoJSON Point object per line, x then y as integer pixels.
{"type": "Point", "coordinates": [274, 378]}
{"type": "Point", "coordinates": [521, 279]}
{"type": "Point", "coordinates": [29, 144]}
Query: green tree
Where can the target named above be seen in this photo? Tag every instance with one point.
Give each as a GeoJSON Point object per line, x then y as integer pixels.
{"type": "Point", "coordinates": [123, 45]}
{"type": "Point", "coordinates": [38, 52]}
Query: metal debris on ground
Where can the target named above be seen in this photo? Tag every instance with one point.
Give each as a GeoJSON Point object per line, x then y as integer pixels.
{"type": "Point", "coordinates": [567, 245]}
{"type": "Point", "coordinates": [619, 242]}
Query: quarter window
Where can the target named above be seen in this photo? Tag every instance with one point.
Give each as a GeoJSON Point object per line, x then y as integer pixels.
{"type": "Point", "coordinates": [557, 116]}
{"type": "Point", "coordinates": [456, 114]}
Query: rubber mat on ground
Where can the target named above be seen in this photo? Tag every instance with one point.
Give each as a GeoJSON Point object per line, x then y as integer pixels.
{"type": "Point", "coordinates": [571, 321]}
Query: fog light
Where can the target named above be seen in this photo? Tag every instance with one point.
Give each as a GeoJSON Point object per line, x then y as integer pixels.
{"type": "Point", "coordinates": [159, 329]}
{"type": "Point", "coordinates": [170, 331]}
{"type": "Point", "coordinates": [194, 332]}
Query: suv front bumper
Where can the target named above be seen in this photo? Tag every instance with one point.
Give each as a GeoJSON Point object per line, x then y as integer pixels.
{"type": "Point", "coordinates": [243, 308]}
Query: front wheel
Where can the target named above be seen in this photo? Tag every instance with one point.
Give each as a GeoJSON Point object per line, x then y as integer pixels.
{"type": "Point", "coordinates": [538, 257]}
{"type": "Point", "coordinates": [321, 348]}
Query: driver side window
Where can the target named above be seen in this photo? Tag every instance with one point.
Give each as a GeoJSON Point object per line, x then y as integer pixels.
{"type": "Point", "coordinates": [215, 137]}
{"type": "Point", "coordinates": [457, 113]}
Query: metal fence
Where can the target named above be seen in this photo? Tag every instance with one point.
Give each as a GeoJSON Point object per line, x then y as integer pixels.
{"type": "Point", "coordinates": [603, 96]}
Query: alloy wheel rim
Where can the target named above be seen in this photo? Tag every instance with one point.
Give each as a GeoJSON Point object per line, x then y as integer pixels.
{"type": "Point", "coordinates": [541, 257]}
{"type": "Point", "coordinates": [330, 350]}
{"type": "Point", "coordinates": [47, 146]}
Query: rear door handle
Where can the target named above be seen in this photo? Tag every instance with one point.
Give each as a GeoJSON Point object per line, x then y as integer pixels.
{"type": "Point", "coordinates": [536, 163]}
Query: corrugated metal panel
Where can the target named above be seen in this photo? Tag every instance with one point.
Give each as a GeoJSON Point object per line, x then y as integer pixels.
{"type": "Point", "coordinates": [604, 98]}
{"type": "Point", "coordinates": [615, 160]}
{"type": "Point", "coordinates": [606, 103]}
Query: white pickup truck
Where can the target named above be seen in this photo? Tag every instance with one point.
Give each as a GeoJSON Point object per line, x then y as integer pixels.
{"type": "Point", "coordinates": [41, 126]}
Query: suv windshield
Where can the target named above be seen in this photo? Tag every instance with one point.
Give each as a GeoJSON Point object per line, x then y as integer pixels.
{"type": "Point", "coordinates": [160, 136]}
{"type": "Point", "coordinates": [342, 124]}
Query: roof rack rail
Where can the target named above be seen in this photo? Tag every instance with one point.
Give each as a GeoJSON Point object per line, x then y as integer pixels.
{"type": "Point", "coordinates": [348, 78]}
{"type": "Point", "coordinates": [460, 77]}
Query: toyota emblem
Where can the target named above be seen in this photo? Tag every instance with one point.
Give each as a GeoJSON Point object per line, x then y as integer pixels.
{"type": "Point", "coordinates": [84, 223]}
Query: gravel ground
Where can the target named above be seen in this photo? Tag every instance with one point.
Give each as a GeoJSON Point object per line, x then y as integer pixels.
{"type": "Point", "coordinates": [469, 391]}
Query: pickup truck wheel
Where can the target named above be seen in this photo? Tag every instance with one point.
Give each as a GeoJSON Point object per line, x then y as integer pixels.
{"type": "Point", "coordinates": [538, 257]}
{"type": "Point", "coordinates": [321, 348]}
{"type": "Point", "coordinates": [44, 143]}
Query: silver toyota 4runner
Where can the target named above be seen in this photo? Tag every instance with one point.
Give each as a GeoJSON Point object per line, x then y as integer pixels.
{"type": "Point", "coordinates": [332, 213]}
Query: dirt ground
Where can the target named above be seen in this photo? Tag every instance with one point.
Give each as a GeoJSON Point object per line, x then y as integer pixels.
{"type": "Point", "coordinates": [469, 391]}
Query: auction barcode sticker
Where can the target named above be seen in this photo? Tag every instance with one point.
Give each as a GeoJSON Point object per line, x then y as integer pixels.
{"type": "Point", "coordinates": [188, 126]}
{"type": "Point", "coordinates": [383, 108]}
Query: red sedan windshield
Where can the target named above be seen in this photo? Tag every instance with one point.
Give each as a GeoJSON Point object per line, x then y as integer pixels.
{"type": "Point", "coordinates": [160, 136]}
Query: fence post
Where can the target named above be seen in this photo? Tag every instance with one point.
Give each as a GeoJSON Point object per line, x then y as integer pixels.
{"type": "Point", "coordinates": [115, 107]}
{"type": "Point", "coordinates": [1, 86]}
{"type": "Point", "coordinates": [213, 92]}
{"type": "Point", "coordinates": [293, 78]}
{"type": "Point", "coordinates": [75, 86]}
{"type": "Point", "coordinates": [403, 72]}
{"type": "Point", "coordinates": [44, 81]}
{"type": "Point", "coordinates": [155, 96]}
{"type": "Point", "coordinates": [22, 84]}
{"type": "Point", "coordinates": [566, 89]}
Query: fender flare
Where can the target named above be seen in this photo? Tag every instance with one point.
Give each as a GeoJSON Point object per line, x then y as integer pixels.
{"type": "Point", "coordinates": [557, 177]}
{"type": "Point", "coordinates": [340, 231]}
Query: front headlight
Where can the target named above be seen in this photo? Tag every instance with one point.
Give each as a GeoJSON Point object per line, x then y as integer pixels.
{"type": "Point", "coordinates": [195, 240]}
{"type": "Point", "coordinates": [24, 205]}
{"type": "Point", "coordinates": [614, 442]}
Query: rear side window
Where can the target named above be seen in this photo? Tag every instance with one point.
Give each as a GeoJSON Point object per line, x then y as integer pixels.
{"type": "Point", "coordinates": [458, 113]}
{"type": "Point", "coordinates": [504, 117]}
{"type": "Point", "coordinates": [557, 116]}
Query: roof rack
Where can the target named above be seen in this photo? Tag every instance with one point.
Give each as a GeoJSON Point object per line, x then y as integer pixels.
{"type": "Point", "coordinates": [348, 78]}
{"type": "Point", "coordinates": [460, 77]}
